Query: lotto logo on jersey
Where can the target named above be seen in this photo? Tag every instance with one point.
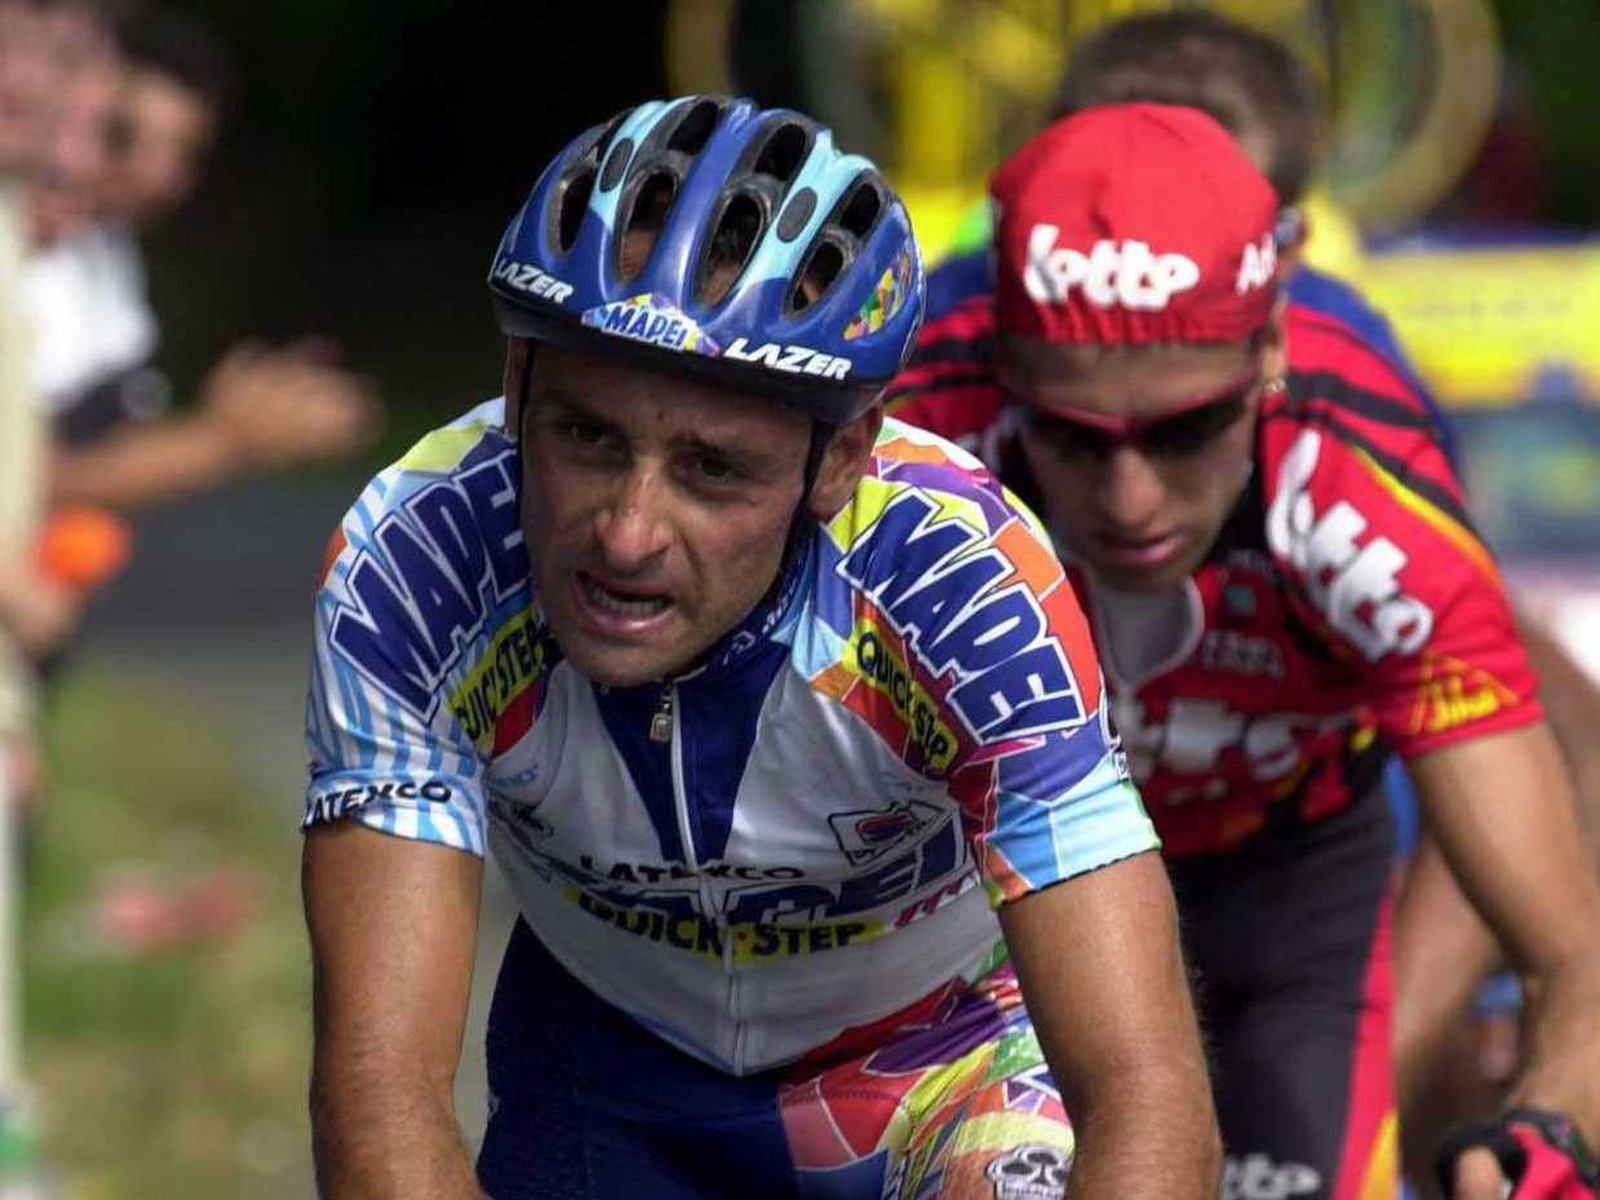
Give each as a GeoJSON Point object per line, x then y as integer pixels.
{"type": "Point", "coordinates": [1193, 734]}
{"type": "Point", "coordinates": [1126, 274]}
{"type": "Point", "coordinates": [1257, 1177]}
{"type": "Point", "coordinates": [1352, 577]}
{"type": "Point", "coordinates": [943, 593]}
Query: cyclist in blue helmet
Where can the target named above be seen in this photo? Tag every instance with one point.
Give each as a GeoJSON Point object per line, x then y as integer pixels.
{"type": "Point", "coordinates": [778, 716]}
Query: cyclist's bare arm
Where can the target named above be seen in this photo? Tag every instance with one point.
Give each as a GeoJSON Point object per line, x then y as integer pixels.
{"type": "Point", "coordinates": [1100, 967]}
{"type": "Point", "coordinates": [1501, 810]}
{"type": "Point", "coordinates": [393, 931]}
{"type": "Point", "coordinates": [1443, 951]}
{"type": "Point", "coordinates": [1572, 706]}
{"type": "Point", "coordinates": [1445, 942]}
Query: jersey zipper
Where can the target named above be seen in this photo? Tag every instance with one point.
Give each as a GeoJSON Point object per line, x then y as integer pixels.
{"type": "Point", "coordinates": [666, 725]}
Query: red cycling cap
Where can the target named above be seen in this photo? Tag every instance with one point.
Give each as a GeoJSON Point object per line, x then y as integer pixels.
{"type": "Point", "coordinates": [1134, 223]}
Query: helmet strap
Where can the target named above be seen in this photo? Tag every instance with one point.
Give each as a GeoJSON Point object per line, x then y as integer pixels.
{"type": "Point", "coordinates": [802, 524]}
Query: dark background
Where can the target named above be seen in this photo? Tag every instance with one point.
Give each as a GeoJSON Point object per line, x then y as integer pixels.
{"type": "Point", "coordinates": [375, 148]}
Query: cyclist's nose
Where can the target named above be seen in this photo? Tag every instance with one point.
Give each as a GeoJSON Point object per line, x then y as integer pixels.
{"type": "Point", "coordinates": [631, 528]}
{"type": "Point", "coordinates": [1129, 491]}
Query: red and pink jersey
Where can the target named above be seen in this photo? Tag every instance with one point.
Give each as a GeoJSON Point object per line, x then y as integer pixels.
{"type": "Point", "coordinates": [1347, 608]}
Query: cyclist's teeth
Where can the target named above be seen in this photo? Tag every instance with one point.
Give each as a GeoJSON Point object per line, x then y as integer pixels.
{"type": "Point", "coordinates": [628, 606]}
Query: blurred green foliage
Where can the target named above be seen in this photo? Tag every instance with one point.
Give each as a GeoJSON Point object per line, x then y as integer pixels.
{"type": "Point", "coordinates": [176, 1071]}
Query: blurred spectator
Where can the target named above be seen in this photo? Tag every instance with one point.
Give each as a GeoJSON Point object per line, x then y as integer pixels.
{"type": "Point", "coordinates": [53, 106]}
{"type": "Point", "coordinates": [260, 407]}
{"type": "Point", "coordinates": [81, 71]}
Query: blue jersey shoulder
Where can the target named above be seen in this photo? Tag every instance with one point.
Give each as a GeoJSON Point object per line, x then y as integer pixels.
{"type": "Point", "coordinates": [433, 556]}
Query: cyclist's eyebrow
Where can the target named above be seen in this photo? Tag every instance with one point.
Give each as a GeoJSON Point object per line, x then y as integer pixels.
{"type": "Point", "coordinates": [551, 398]}
{"type": "Point", "coordinates": [742, 451]}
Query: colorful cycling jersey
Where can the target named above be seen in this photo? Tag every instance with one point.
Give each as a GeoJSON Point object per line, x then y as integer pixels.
{"type": "Point", "coordinates": [781, 845]}
{"type": "Point", "coordinates": [1346, 604]}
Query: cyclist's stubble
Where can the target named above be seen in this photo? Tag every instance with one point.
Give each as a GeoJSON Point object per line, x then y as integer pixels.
{"type": "Point", "coordinates": [657, 508]}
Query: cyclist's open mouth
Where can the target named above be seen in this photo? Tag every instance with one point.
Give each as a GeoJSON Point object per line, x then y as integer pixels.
{"type": "Point", "coordinates": [613, 609]}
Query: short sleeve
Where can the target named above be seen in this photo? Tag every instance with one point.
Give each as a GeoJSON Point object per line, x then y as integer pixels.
{"type": "Point", "coordinates": [994, 626]}
{"type": "Point", "coordinates": [385, 749]}
{"type": "Point", "coordinates": [1382, 553]}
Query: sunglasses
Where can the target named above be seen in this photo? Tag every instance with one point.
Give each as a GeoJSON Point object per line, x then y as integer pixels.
{"type": "Point", "coordinates": [1174, 435]}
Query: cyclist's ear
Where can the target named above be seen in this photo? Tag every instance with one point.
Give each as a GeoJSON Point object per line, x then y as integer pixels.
{"type": "Point", "coordinates": [844, 462]}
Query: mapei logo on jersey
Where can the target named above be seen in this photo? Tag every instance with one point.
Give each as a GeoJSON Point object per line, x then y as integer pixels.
{"type": "Point", "coordinates": [653, 319]}
{"type": "Point", "coordinates": [526, 277]}
{"type": "Point", "coordinates": [865, 834]}
{"type": "Point", "coordinates": [1257, 1177]}
{"type": "Point", "coordinates": [939, 584]}
{"type": "Point", "coordinates": [797, 360]}
{"type": "Point", "coordinates": [415, 595]}
{"type": "Point", "coordinates": [1125, 274]}
{"type": "Point", "coordinates": [1352, 577]}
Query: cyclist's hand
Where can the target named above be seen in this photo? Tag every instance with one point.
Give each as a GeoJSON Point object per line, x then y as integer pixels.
{"type": "Point", "coordinates": [1525, 1154]}
{"type": "Point", "coordinates": [275, 407]}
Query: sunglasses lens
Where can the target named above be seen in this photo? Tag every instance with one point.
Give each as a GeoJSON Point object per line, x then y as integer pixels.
{"type": "Point", "coordinates": [1191, 433]}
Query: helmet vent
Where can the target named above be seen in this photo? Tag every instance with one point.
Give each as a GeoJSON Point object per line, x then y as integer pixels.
{"type": "Point", "coordinates": [821, 269]}
{"type": "Point", "coordinates": [861, 211]}
{"type": "Point", "coordinates": [695, 129]}
{"type": "Point", "coordinates": [784, 152]}
{"type": "Point", "coordinates": [574, 201]}
{"type": "Point", "coordinates": [646, 217]}
{"type": "Point", "coordinates": [732, 242]}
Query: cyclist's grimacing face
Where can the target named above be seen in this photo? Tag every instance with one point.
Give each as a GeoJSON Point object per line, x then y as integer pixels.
{"type": "Point", "coordinates": [1139, 452]}
{"type": "Point", "coordinates": [656, 510]}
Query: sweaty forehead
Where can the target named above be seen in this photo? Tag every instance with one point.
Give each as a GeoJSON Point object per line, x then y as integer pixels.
{"type": "Point", "coordinates": [1124, 381]}
{"type": "Point", "coordinates": [650, 404]}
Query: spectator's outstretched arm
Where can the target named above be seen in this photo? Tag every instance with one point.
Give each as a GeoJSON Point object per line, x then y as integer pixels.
{"type": "Point", "coordinates": [1100, 968]}
{"type": "Point", "coordinates": [260, 409]}
{"type": "Point", "coordinates": [393, 933]}
{"type": "Point", "coordinates": [1446, 949]}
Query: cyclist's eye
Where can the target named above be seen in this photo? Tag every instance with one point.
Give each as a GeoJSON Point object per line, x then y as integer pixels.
{"type": "Point", "coordinates": [714, 468]}
{"type": "Point", "coordinates": [1189, 434]}
{"type": "Point", "coordinates": [1068, 439]}
{"type": "Point", "coordinates": [585, 434]}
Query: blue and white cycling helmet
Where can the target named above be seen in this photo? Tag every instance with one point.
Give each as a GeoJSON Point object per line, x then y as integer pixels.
{"type": "Point", "coordinates": [826, 291]}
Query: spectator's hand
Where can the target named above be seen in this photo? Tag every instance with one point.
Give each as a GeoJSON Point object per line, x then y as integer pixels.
{"type": "Point", "coordinates": [277, 407]}
{"type": "Point", "coordinates": [36, 613]}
